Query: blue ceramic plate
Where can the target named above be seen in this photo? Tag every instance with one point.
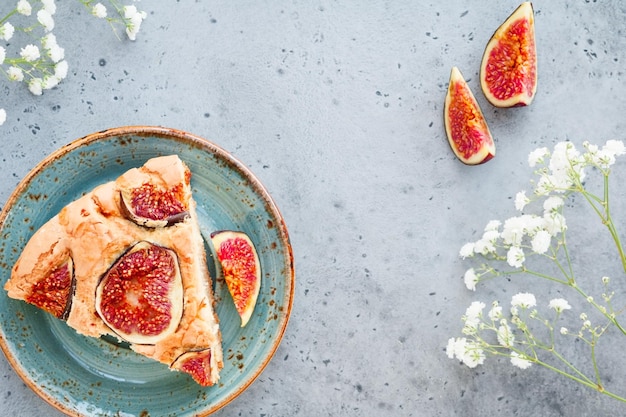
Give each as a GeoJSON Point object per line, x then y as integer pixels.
{"type": "Point", "coordinates": [84, 376]}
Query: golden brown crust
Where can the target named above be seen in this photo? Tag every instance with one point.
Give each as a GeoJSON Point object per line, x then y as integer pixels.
{"type": "Point", "coordinates": [94, 232]}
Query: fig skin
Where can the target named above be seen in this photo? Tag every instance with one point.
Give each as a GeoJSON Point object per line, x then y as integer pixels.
{"type": "Point", "coordinates": [54, 293]}
{"type": "Point", "coordinates": [508, 71]}
{"type": "Point", "coordinates": [241, 268]}
{"type": "Point", "coordinates": [196, 363]}
{"type": "Point", "coordinates": [111, 296]}
{"type": "Point", "coordinates": [466, 127]}
{"type": "Point", "coordinates": [165, 207]}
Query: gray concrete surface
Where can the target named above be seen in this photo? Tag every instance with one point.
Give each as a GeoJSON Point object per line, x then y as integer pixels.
{"type": "Point", "coordinates": [337, 107]}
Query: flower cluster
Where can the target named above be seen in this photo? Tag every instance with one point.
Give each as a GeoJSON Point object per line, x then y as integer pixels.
{"type": "Point", "coordinates": [561, 173]}
{"type": "Point", "coordinates": [126, 16]}
{"type": "Point", "coordinates": [510, 247]}
{"type": "Point", "coordinates": [41, 65]}
{"type": "Point", "coordinates": [472, 349]}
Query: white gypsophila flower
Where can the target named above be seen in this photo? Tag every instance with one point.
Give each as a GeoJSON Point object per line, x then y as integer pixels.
{"type": "Point", "coordinates": [521, 200]}
{"type": "Point", "coordinates": [520, 361]}
{"type": "Point", "coordinates": [49, 41]}
{"type": "Point", "coordinates": [559, 305]}
{"type": "Point", "coordinates": [532, 223]}
{"type": "Point", "coordinates": [505, 336]}
{"type": "Point", "coordinates": [552, 204]}
{"type": "Point", "coordinates": [523, 300]}
{"type": "Point", "coordinates": [467, 250]}
{"type": "Point", "coordinates": [53, 50]}
{"type": "Point", "coordinates": [537, 156]}
{"type": "Point", "coordinates": [541, 242]}
{"type": "Point", "coordinates": [591, 148]}
{"type": "Point", "coordinates": [3, 116]}
{"type": "Point", "coordinates": [495, 313]}
{"type": "Point", "coordinates": [491, 236]}
{"type": "Point", "coordinates": [616, 147]}
{"type": "Point", "coordinates": [45, 18]}
{"type": "Point", "coordinates": [23, 7]}
{"type": "Point", "coordinates": [606, 280]}
{"type": "Point", "coordinates": [35, 86]}
{"type": "Point", "coordinates": [603, 158]}
{"type": "Point", "coordinates": [473, 355]}
{"type": "Point", "coordinates": [60, 70]}
{"type": "Point", "coordinates": [49, 6]}
{"type": "Point", "coordinates": [56, 53]}
{"type": "Point", "coordinates": [493, 225]}
{"type": "Point", "coordinates": [544, 185]}
{"type": "Point", "coordinates": [566, 165]}
{"type": "Point", "coordinates": [471, 279]}
{"type": "Point", "coordinates": [450, 347]}
{"type": "Point", "coordinates": [130, 11]}
{"type": "Point", "coordinates": [475, 310]}
{"type": "Point", "coordinates": [133, 18]}
{"type": "Point", "coordinates": [513, 230]}
{"type": "Point", "coordinates": [564, 331]}
{"type": "Point", "coordinates": [467, 351]}
{"type": "Point", "coordinates": [99, 10]}
{"type": "Point", "coordinates": [486, 244]}
{"type": "Point", "coordinates": [563, 155]}
{"type": "Point", "coordinates": [30, 53]}
{"type": "Point", "coordinates": [458, 347]}
{"type": "Point", "coordinates": [50, 82]}
{"type": "Point", "coordinates": [472, 317]}
{"type": "Point", "coordinates": [15, 74]}
{"type": "Point", "coordinates": [6, 31]}
{"type": "Point", "coordinates": [515, 257]}
{"type": "Point", "coordinates": [555, 223]}
{"type": "Point", "coordinates": [3, 55]}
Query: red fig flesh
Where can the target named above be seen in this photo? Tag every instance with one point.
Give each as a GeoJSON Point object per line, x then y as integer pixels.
{"type": "Point", "coordinates": [141, 296]}
{"type": "Point", "coordinates": [508, 72]}
{"type": "Point", "coordinates": [54, 293]}
{"type": "Point", "coordinates": [466, 128]}
{"type": "Point", "coordinates": [241, 269]}
{"type": "Point", "coordinates": [197, 364]}
{"type": "Point", "coordinates": [151, 206]}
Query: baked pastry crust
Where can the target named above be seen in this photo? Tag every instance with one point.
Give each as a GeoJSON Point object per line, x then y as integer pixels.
{"type": "Point", "coordinates": [94, 231]}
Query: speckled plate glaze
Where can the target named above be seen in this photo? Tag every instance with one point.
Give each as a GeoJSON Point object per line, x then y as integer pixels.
{"type": "Point", "coordinates": [84, 376]}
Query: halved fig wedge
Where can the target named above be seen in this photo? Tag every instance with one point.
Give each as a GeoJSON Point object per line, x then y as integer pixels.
{"type": "Point", "coordinates": [241, 269]}
{"type": "Point", "coordinates": [54, 293]}
{"type": "Point", "coordinates": [466, 127]}
{"type": "Point", "coordinates": [196, 363]}
{"type": "Point", "coordinates": [140, 298]}
{"type": "Point", "coordinates": [152, 206]}
{"type": "Point", "coordinates": [508, 72]}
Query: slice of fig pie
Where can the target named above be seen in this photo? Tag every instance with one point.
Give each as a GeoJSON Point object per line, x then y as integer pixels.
{"type": "Point", "coordinates": [127, 259]}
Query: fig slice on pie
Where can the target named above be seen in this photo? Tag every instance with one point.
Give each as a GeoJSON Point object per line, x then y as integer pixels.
{"type": "Point", "coordinates": [127, 260]}
{"type": "Point", "coordinates": [141, 296]}
{"type": "Point", "coordinates": [54, 292]}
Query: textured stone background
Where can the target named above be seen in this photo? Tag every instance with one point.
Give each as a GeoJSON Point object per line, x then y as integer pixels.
{"type": "Point", "coordinates": [337, 107]}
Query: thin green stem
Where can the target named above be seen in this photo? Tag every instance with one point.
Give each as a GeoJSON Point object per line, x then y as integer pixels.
{"type": "Point", "coordinates": [596, 370]}
{"type": "Point", "coordinates": [5, 18]}
{"type": "Point", "coordinates": [584, 381]}
{"type": "Point", "coordinates": [571, 366]}
{"type": "Point", "coordinates": [610, 225]}
{"type": "Point", "coordinates": [599, 308]}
